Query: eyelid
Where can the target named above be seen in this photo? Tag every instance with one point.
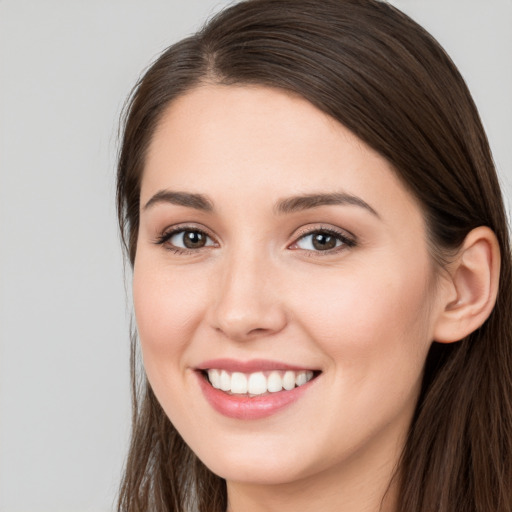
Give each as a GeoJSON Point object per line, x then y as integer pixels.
{"type": "Point", "coordinates": [166, 234]}
{"type": "Point", "coordinates": [313, 228]}
{"type": "Point", "coordinates": [347, 238]}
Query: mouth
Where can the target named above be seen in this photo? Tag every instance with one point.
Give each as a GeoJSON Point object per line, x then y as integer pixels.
{"type": "Point", "coordinates": [259, 383]}
{"type": "Point", "coordinates": [253, 390]}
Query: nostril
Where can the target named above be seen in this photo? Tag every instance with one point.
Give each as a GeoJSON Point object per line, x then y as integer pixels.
{"type": "Point", "coordinates": [244, 329]}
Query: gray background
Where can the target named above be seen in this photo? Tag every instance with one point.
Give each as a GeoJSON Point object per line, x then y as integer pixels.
{"type": "Point", "coordinates": [66, 67]}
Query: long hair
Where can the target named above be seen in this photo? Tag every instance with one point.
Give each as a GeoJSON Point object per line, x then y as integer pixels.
{"type": "Point", "coordinates": [381, 75]}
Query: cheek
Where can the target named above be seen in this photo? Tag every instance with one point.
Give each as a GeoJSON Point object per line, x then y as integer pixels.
{"type": "Point", "coordinates": [371, 320]}
{"type": "Point", "coordinates": [374, 328]}
{"type": "Point", "coordinates": [168, 304]}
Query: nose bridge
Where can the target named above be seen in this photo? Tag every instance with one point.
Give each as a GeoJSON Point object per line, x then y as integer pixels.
{"type": "Point", "coordinates": [247, 302]}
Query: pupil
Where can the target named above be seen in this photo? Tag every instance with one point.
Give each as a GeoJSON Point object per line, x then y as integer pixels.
{"type": "Point", "coordinates": [324, 242]}
{"type": "Point", "coordinates": [194, 239]}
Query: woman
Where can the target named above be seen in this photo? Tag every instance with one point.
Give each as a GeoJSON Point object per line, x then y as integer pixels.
{"type": "Point", "coordinates": [321, 271]}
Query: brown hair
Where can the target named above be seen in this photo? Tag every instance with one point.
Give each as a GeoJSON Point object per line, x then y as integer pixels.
{"type": "Point", "coordinates": [380, 74]}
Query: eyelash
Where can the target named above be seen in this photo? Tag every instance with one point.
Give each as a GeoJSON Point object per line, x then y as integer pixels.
{"type": "Point", "coordinates": [347, 241]}
{"type": "Point", "coordinates": [164, 238]}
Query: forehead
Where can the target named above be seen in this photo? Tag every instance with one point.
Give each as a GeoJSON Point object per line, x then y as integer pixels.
{"type": "Point", "coordinates": [239, 141]}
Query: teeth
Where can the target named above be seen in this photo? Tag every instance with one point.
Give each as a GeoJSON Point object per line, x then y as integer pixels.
{"type": "Point", "coordinates": [301, 378]}
{"type": "Point", "coordinates": [274, 382]}
{"type": "Point", "coordinates": [238, 383]}
{"type": "Point", "coordinates": [214, 377]}
{"type": "Point", "coordinates": [225, 380]}
{"type": "Point", "coordinates": [289, 380]}
{"type": "Point", "coordinates": [258, 383]}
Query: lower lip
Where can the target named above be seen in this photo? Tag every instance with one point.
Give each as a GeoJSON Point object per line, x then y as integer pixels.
{"type": "Point", "coordinates": [243, 407]}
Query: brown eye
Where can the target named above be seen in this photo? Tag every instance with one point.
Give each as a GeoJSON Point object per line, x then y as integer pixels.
{"type": "Point", "coordinates": [194, 239]}
{"type": "Point", "coordinates": [323, 241]}
{"type": "Point", "coordinates": [187, 239]}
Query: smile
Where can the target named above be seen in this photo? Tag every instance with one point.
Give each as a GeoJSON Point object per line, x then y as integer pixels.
{"type": "Point", "coordinates": [257, 383]}
{"type": "Point", "coordinates": [252, 390]}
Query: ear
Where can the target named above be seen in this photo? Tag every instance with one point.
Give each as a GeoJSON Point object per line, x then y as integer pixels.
{"type": "Point", "coordinates": [470, 292]}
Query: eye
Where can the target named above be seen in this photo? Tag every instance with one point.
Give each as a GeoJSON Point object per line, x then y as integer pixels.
{"type": "Point", "coordinates": [185, 239]}
{"type": "Point", "coordinates": [323, 240]}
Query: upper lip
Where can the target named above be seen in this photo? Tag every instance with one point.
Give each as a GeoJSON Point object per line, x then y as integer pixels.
{"type": "Point", "coordinates": [254, 365]}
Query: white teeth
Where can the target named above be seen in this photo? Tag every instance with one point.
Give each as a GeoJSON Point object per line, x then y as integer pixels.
{"type": "Point", "coordinates": [238, 383]}
{"type": "Point", "coordinates": [303, 377]}
{"type": "Point", "coordinates": [214, 377]}
{"type": "Point", "coordinates": [274, 382]}
{"type": "Point", "coordinates": [258, 383]}
{"type": "Point", "coordinates": [225, 380]}
{"type": "Point", "coordinates": [289, 380]}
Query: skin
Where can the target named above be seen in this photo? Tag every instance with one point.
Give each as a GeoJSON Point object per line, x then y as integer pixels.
{"type": "Point", "coordinates": [364, 314]}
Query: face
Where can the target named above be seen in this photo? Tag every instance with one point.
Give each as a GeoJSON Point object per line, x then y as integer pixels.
{"type": "Point", "coordinates": [284, 294]}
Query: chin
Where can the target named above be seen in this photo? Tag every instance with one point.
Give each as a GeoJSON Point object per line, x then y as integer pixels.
{"type": "Point", "coordinates": [271, 473]}
{"type": "Point", "coordinates": [260, 462]}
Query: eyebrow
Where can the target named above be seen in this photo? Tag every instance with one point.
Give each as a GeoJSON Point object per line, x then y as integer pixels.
{"type": "Point", "coordinates": [284, 206]}
{"type": "Point", "coordinates": [308, 201]}
{"type": "Point", "coordinates": [196, 201]}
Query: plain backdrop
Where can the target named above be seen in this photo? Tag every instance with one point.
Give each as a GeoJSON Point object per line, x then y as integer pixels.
{"type": "Point", "coordinates": [66, 67]}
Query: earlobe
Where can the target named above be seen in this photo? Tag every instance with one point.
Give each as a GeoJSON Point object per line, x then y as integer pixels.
{"type": "Point", "coordinates": [472, 288]}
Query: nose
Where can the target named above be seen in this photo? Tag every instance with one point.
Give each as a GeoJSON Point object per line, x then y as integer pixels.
{"type": "Point", "coordinates": [247, 304]}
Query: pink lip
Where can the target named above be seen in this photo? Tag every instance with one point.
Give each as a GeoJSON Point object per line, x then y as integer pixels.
{"type": "Point", "coordinates": [244, 407]}
{"type": "Point", "coordinates": [255, 365]}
